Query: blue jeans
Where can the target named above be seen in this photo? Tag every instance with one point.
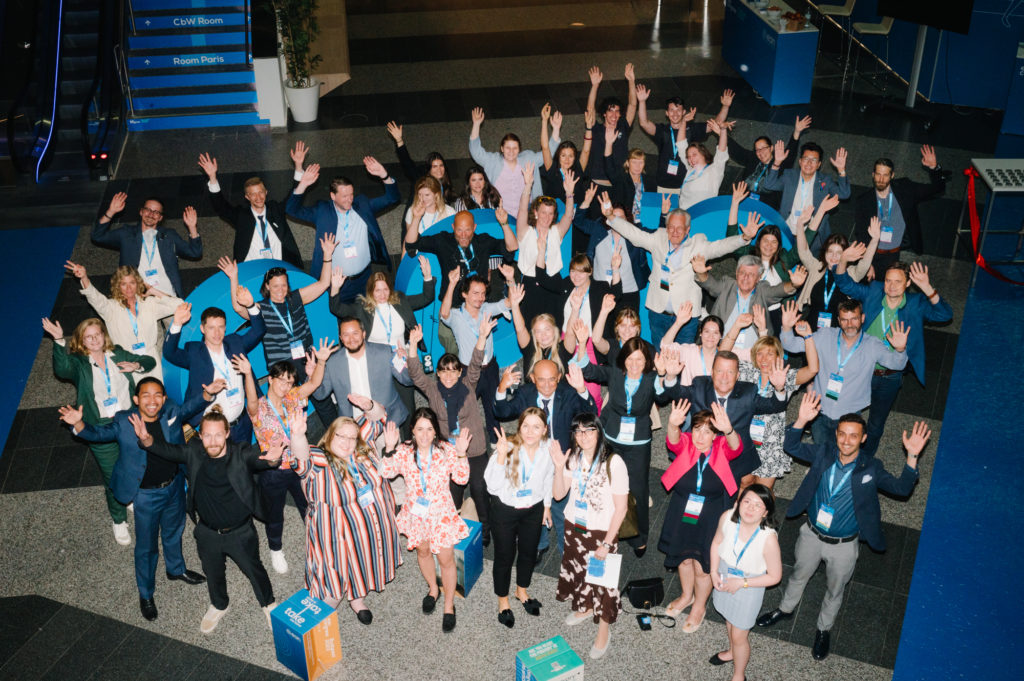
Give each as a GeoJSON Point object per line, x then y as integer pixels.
{"type": "Point", "coordinates": [159, 514]}
{"type": "Point", "coordinates": [557, 525]}
{"type": "Point", "coordinates": [823, 429]}
{"type": "Point", "coordinates": [660, 324]}
{"type": "Point", "coordinates": [884, 390]}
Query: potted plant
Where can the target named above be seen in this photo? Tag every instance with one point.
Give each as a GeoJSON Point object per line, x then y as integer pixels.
{"type": "Point", "coordinates": [298, 28]}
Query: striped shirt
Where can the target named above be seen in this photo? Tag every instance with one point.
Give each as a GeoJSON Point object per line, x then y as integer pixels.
{"type": "Point", "coordinates": [277, 340]}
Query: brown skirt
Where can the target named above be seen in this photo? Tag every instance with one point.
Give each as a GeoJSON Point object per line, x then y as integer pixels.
{"type": "Point", "coordinates": [572, 584]}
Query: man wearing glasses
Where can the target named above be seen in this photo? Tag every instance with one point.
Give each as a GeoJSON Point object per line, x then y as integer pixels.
{"type": "Point", "coordinates": [804, 189]}
{"type": "Point", "coordinates": [147, 246]}
{"type": "Point", "coordinates": [758, 162]}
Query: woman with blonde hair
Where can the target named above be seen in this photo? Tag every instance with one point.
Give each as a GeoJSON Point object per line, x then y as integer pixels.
{"type": "Point", "coordinates": [519, 477]}
{"type": "Point", "coordinates": [102, 373]}
{"type": "Point", "coordinates": [132, 313]}
{"type": "Point", "coordinates": [352, 544]}
{"type": "Point", "coordinates": [428, 205]}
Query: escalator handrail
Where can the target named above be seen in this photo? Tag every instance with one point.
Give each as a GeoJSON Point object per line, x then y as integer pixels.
{"type": "Point", "coordinates": [56, 88]}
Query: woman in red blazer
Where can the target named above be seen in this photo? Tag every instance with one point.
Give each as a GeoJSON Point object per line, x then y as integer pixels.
{"type": "Point", "coordinates": [702, 486]}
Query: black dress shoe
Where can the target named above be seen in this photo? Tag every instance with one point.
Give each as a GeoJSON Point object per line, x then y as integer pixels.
{"type": "Point", "coordinates": [773, 617]}
{"type": "Point", "coordinates": [364, 616]}
{"type": "Point", "coordinates": [448, 621]}
{"type": "Point", "coordinates": [532, 606]}
{"type": "Point", "coordinates": [188, 576]}
{"type": "Point", "coordinates": [429, 603]}
{"type": "Point", "coordinates": [717, 660]}
{"type": "Point", "coordinates": [639, 552]}
{"type": "Point", "coordinates": [487, 539]}
{"type": "Point", "coordinates": [148, 608]}
{"type": "Point", "coordinates": [507, 618]}
{"type": "Point", "coordinates": [821, 641]}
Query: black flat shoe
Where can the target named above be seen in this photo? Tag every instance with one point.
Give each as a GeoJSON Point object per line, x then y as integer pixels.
{"type": "Point", "coordinates": [487, 539]}
{"type": "Point", "coordinates": [716, 660]}
{"type": "Point", "coordinates": [532, 606]}
{"type": "Point", "coordinates": [773, 617]}
{"type": "Point", "coordinates": [148, 608]}
{"type": "Point", "coordinates": [448, 621]}
{"type": "Point", "coordinates": [505, 617]}
{"type": "Point", "coordinates": [820, 649]}
{"type": "Point", "coordinates": [429, 603]}
{"type": "Point", "coordinates": [364, 616]}
{"type": "Point", "coordinates": [188, 576]}
{"type": "Point", "coordinates": [639, 552]}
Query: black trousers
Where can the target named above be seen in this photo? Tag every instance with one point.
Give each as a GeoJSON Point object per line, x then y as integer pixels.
{"type": "Point", "coordinates": [486, 387]}
{"type": "Point", "coordinates": [243, 547]}
{"type": "Point", "coordinates": [514, 530]}
{"type": "Point", "coordinates": [276, 484]}
{"type": "Point", "coordinates": [477, 490]}
{"type": "Point", "coordinates": [638, 464]}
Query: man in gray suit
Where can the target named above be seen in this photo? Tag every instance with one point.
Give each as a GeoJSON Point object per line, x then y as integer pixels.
{"type": "Point", "coordinates": [364, 369]}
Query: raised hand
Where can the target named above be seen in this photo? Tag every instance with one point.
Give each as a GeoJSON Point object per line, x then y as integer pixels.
{"type": "Point", "coordinates": [325, 349]}
{"type": "Point", "coordinates": [576, 298]}
{"type": "Point", "coordinates": [574, 377]}
{"type": "Point", "coordinates": [395, 130]}
{"type": "Point", "coordinates": [617, 259]}
{"type": "Point", "coordinates": [71, 416]}
{"type": "Point", "coordinates": [610, 135]}
{"type": "Point", "coordinates": [810, 405]}
{"type": "Point", "coordinates": [391, 436]}
{"type": "Point", "coordinates": [509, 377]}
{"type": "Point", "coordinates": [569, 183]}
{"type": "Point", "coordinates": [462, 441]}
{"type": "Point", "coordinates": [777, 374]}
{"type": "Point", "coordinates": [760, 321]}
{"type": "Point", "coordinates": [897, 336]}
{"type": "Point", "coordinates": [917, 440]}
{"type": "Point", "coordinates": [714, 126]}
{"type": "Point", "coordinates": [582, 331]}
{"type": "Point", "coordinates": [502, 447]}
{"type": "Point", "coordinates": [589, 118]}
{"type": "Point", "coordinates": [298, 154]}
{"type": "Point", "coordinates": [117, 203]}
{"type": "Point", "coordinates": [928, 158]}
{"type": "Point", "coordinates": [875, 228]}
{"type": "Point", "coordinates": [608, 303]}
{"type": "Point", "coordinates": [690, 114]}
{"type": "Point", "coordinates": [588, 196]}
{"type": "Point", "coordinates": [244, 297]}
{"type": "Point", "coordinates": [415, 335]}
{"type": "Point", "coordinates": [77, 270]}
{"type": "Point", "coordinates": [328, 244]}
{"type": "Point", "coordinates": [699, 265]}
{"type": "Point", "coordinates": [595, 75]}
{"type": "Point", "coordinates": [545, 112]}
{"type": "Point", "coordinates": [606, 205]}
{"type": "Point", "coordinates": [739, 191]}
{"type": "Point", "coordinates": [487, 325]}
{"type": "Point", "coordinates": [839, 160]}
{"type": "Point", "coordinates": [781, 153]}
{"type": "Point", "coordinates": [477, 115]}
{"type": "Point", "coordinates": [802, 329]}
{"type": "Point", "coordinates": [240, 363]}
{"type": "Point", "coordinates": [798, 275]}
{"type": "Point", "coordinates": [209, 165]}
{"type": "Point", "coordinates": [754, 224]}
{"type": "Point", "coordinates": [629, 73]}
{"type": "Point", "coordinates": [516, 294]}
{"type": "Point", "coordinates": [666, 203]}
{"type": "Point", "coordinates": [454, 276]}
{"type": "Point", "coordinates": [191, 220]}
{"type": "Point", "coordinates": [501, 214]}
{"type": "Point", "coordinates": [684, 312]}
{"type": "Point", "coordinates": [182, 314]}
{"type": "Point", "coordinates": [855, 251]}
{"type": "Point", "coordinates": [677, 416]}
{"type": "Point", "coordinates": [337, 279]}
{"type": "Point", "coordinates": [527, 169]}
{"type": "Point", "coordinates": [919, 276]}
{"type": "Point", "coordinates": [297, 422]}
{"type": "Point", "coordinates": [374, 167]}
{"type": "Point", "coordinates": [790, 314]}
{"type": "Point", "coordinates": [215, 386]}
{"type": "Point", "coordinates": [802, 124]}
{"type": "Point", "coordinates": [642, 93]}
{"type": "Point", "coordinates": [53, 328]}
{"type": "Point", "coordinates": [556, 121]}
{"type": "Point", "coordinates": [727, 97]}
{"type": "Point", "coordinates": [557, 455]}
{"type": "Point", "coordinates": [139, 426]}
{"type": "Point", "coordinates": [672, 362]}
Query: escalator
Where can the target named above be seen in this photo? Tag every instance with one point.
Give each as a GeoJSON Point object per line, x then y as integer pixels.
{"type": "Point", "coordinates": [64, 105]}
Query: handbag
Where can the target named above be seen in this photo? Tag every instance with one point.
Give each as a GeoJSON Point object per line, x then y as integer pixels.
{"type": "Point", "coordinates": [645, 594]}
{"type": "Point", "coordinates": [630, 527]}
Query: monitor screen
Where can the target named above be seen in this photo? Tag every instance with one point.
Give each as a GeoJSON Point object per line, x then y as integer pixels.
{"type": "Point", "coordinates": [952, 15]}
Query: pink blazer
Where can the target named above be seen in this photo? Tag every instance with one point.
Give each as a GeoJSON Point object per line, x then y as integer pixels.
{"type": "Point", "coordinates": [687, 455]}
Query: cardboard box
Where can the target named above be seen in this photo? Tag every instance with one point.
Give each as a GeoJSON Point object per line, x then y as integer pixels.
{"type": "Point", "coordinates": [306, 635]}
{"type": "Point", "coordinates": [469, 559]}
{"type": "Point", "coordinates": [551, 660]}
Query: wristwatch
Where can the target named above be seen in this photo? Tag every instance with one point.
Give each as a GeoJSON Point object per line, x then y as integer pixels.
{"type": "Point", "coordinates": [606, 545]}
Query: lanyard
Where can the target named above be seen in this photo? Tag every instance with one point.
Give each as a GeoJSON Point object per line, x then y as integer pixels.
{"type": "Point", "coordinates": [886, 323]}
{"type": "Point", "coordinates": [388, 322]}
{"type": "Point", "coordinates": [583, 301]}
{"type": "Point", "coordinates": [289, 326]}
{"type": "Point", "coordinates": [690, 177]}
{"type": "Point", "coordinates": [832, 487]}
{"type": "Point", "coordinates": [466, 259]}
{"type": "Point", "coordinates": [764, 390]}
{"type": "Point", "coordinates": [357, 475]}
{"type": "Point", "coordinates": [829, 290]}
{"type": "Point", "coordinates": [840, 362]}
{"type": "Point", "coordinates": [672, 134]}
{"type": "Point", "coordinates": [736, 539]}
{"type": "Point", "coordinates": [632, 385]}
{"type": "Point", "coordinates": [577, 474]}
{"type": "Point", "coordinates": [150, 252]}
{"type": "Point", "coordinates": [672, 252]}
{"type": "Point", "coordinates": [426, 474]}
{"type": "Point", "coordinates": [134, 319]}
{"type": "Point", "coordinates": [287, 430]}
{"type": "Point", "coordinates": [223, 369]}
{"type": "Point", "coordinates": [703, 365]}
{"type": "Point", "coordinates": [345, 226]}
{"type": "Point", "coordinates": [805, 191]}
{"type": "Point", "coordinates": [760, 176]}
{"type": "Point", "coordinates": [700, 471]}
{"type": "Point", "coordinates": [526, 472]}
{"type": "Point", "coordinates": [888, 214]}
{"type": "Point", "coordinates": [263, 230]}
{"type": "Point", "coordinates": [743, 309]}
{"type": "Point", "coordinates": [106, 376]}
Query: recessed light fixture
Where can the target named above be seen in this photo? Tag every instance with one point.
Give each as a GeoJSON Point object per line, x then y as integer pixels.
{"type": "Point", "coordinates": [576, 24]}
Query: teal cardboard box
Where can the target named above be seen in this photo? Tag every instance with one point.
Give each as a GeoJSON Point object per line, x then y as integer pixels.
{"type": "Point", "coordinates": [551, 660]}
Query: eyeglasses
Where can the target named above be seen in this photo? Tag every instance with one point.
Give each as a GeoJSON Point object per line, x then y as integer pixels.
{"type": "Point", "coordinates": [582, 430]}
{"type": "Point", "coordinates": [809, 159]}
{"type": "Point", "coordinates": [449, 370]}
{"type": "Point", "coordinates": [761, 148]}
{"type": "Point", "coordinates": [147, 209]}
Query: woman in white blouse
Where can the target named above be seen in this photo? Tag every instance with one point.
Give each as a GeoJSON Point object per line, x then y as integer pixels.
{"type": "Point", "coordinates": [428, 207]}
{"type": "Point", "coordinates": [703, 174]}
{"type": "Point", "coordinates": [519, 477]}
{"type": "Point", "coordinates": [132, 313]}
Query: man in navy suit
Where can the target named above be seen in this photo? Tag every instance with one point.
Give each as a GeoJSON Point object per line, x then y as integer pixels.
{"type": "Point", "coordinates": [560, 402]}
{"type": "Point", "coordinates": [155, 486]}
{"type": "Point", "coordinates": [805, 187]}
{"type": "Point", "coordinates": [740, 399]}
{"type": "Point", "coordinates": [151, 249]}
{"type": "Point", "coordinates": [840, 495]}
{"type": "Point", "coordinates": [352, 219]}
{"type": "Point", "coordinates": [210, 359]}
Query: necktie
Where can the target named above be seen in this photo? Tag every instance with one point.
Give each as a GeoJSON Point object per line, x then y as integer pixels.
{"type": "Point", "coordinates": [263, 231]}
{"type": "Point", "coordinates": [546, 408]}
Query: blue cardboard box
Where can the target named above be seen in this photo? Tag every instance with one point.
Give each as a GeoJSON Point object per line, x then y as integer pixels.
{"type": "Point", "coordinates": [306, 635]}
{"type": "Point", "coordinates": [469, 559]}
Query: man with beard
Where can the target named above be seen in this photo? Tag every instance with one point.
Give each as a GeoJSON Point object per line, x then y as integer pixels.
{"type": "Point", "coordinates": [894, 200]}
{"type": "Point", "coordinates": [222, 500]}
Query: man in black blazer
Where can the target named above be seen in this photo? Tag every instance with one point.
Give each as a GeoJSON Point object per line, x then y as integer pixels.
{"type": "Point", "coordinates": [740, 399]}
{"type": "Point", "coordinates": [894, 201]}
{"type": "Point", "coordinates": [222, 500]}
{"type": "Point", "coordinates": [151, 249]}
{"type": "Point", "coordinates": [548, 391]}
{"type": "Point", "coordinates": [261, 228]}
{"type": "Point", "coordinates": [840, 495]}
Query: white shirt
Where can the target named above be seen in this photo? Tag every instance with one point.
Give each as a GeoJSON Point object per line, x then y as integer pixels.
{"type": "Point", "coordinates": [428, 219]}
{"type": "Point", "coordinates": [101, 373]}
{"type": "Point", "coordinates": [151, 266]}
{"type": "Point", "coordinates": [119, 324]}
{"type": "Point", "coordinates": [539, 474]}
{"type": "Point", "coordinates": [388, 327]}
{"type": "Point", "coordinates": [583, 313]}
{"type": "Point", "coordinates": [256, 247]}
{"type": "Point", "coordinates": [704, 183]}
{"type": "Point", "coordinates": [231, 403]}
{"type": "Point", "coordinates": [358, 379]}
{"type": "Point", "coordinates": [529, 250]}
{"type": "Point", "coordinates": [603, 262]}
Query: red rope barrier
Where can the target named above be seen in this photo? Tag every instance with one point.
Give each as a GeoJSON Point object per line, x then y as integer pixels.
{"type": "Point", "coordinates": [971, 173]}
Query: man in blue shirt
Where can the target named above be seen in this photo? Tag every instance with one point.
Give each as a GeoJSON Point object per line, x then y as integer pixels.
{"type": "Point", "coordinates": [840, 495]}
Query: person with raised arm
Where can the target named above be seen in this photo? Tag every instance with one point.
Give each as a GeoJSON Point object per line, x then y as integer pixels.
{"type": "Point", "coordinates": [435, 166]}
{"type": "Point", "coordinates": [704, 172]}
{"type": "Point", "coordinates": [505, 168]}
{"type": "Point", "coordinates": [566, 156]}
{"type": "Point", "coordinates": [613, 123]}
{"type": "Point", "coordinates": [758, 162]}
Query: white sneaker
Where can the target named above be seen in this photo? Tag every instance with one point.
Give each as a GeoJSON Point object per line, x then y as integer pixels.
{"type": "Point", "coordinates": [266, 611]}
{"type": "Point", "coordinates": [211, 619]}
{"type": "Point", "coordinates": [121, 534]}
{"type": "Point", "coordinates": [278, 561]}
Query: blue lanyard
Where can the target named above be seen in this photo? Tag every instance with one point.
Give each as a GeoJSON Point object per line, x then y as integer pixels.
{"type": "Point", "coordinates": [525, 473]}
{"type": "Point", "coordinates": [673, 252]}
{"type": "Point", "coordinates": [577, 474]}
{"type": "Point", "coordinates": [672, 134]}
{"type": "Point", "coordinates": [829, 290]}
{"type": "Point", "coordinates": [345, 226]}
{"type": "Point", "coordinates": [691, 177]}
{"type": "Point", "coordinates": [466, 259]}
{"type": "Point", "coordinates": [106, 376]}
{"type": "Point", "coordinates": [703, 364]}
{"type": "Point", "coordinates": [745, 308]}
{"type": "Point", "coordinates": [840, 362]}
{"type": "Point", "coordinates": [356, 473]}
{"type": "Point", "coordinates": [887, 323]}
{"type": "Point", "coordinates": [760, 176]}
{"type": "Point", "coordinates": [736, 539]}
{"type": "Point", "coordinates": [763, 391]}
{"type": "Point", "coordinates": [386, 319]}
{"type": "Point", "coordinates": [885, 220]}
{"type": "Point", "coordinates": [700, 471]}
{"type": "Point", "coordinates": [150, 252]}
{"type": "Point", "coordinates": [424, 475]}
{"type": "Point", "coordinates": [832, 487]}
{"type": "Point", "coordinates": [287, 430]}
{"type": "Point", "coordinates": [632, 385]}
{"type": "Point", "coordinates": [223, 369]}
{"type": "Point", "coordinates": [805, 189]}
{"type": "Point", "coordinates": [134, 319]}
{"type": "Point", "coordinates": [289, 326]}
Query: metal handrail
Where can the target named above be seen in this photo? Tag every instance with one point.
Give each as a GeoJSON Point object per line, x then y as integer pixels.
{"type": "Point", "coordinates": [131, 15]}
{"type": "Point", "coordinates": [248, 32]}
{"type": "Point", "coordinates": [122, 75]}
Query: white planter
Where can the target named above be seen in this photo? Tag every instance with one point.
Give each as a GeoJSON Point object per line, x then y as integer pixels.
{"type": "Point", "coordinates": [304, 102]}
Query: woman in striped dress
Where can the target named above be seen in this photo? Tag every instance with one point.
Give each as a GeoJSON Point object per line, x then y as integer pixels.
{"type": "Point", "coordinates": [352, 544]}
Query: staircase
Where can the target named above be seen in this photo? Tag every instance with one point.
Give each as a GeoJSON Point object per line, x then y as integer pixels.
{"type": "Point", "coordinates": [189, 65]}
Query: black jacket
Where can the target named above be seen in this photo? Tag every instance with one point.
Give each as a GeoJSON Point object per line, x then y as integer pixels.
{"type": "Point", "coordinates": [243, 222]}
{"type": "Point", "coordinates": [908, 194]}
{"type": "Point", "coordinates": [568, 403]}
